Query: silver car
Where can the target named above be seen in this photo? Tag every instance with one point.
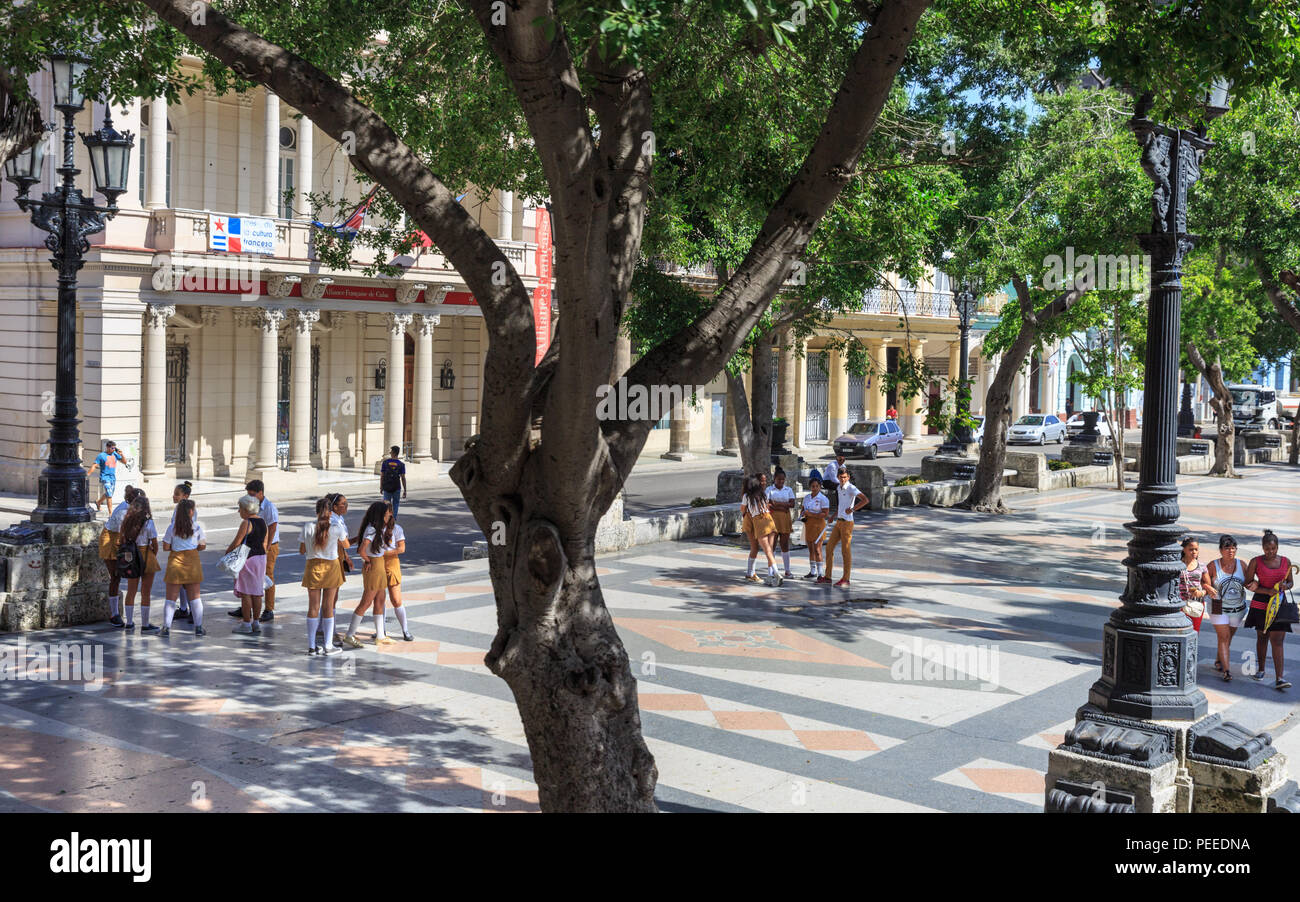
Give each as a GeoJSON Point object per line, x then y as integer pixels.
{"type": "Point", "coordinates": [1036, 429]}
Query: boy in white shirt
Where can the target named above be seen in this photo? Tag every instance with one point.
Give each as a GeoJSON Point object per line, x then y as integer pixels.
{"type": "Point", "coordinates": [849, 502]}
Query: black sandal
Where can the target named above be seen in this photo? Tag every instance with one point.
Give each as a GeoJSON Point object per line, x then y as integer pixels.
{"type": "Point", "coordinates": [1227, 676]}
{"type": "Point", "coordinates": [1218, 665]}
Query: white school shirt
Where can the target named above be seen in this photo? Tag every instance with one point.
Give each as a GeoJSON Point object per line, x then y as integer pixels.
{"type": "Point", "coordinates": [848, 497]}
{"type": "Point", "coordinates": [331, 550]}
{"type": "Point", "coordinates": [179, 543]}
{"type": "Point", "coordinates": [398, 537]}
{"type": "Point", "coordinates": [148, 532]}
{"type": "Point", "coordinates": [377, 546]}
{"type": "Point", "coordinates": [269, 516]}
{"type": "Point", "coordinates": [114, 521]}
{"type": "Point", "coordinates": [817, 505]}
{"type": "Point", "coordinates": [783, 494]}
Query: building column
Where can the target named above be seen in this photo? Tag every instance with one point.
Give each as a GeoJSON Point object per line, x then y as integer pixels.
{"type": "Point", "coordinates": [786, 378]}
{"type": "Point", "coordinates": [156, 185]}
{"type": "Point", "coordinates": [304, 184]}
{"type": "Point", "coordinates": [268, 395]}
{"type": "Point", "coordinates": [1019, 396]}
{"type": "Point", "coordinates": [505, 224]}
{"type": "Point", "coordinates": [300, 390]}
{"type": "Point", "coordinates": [914, 407]}
{"type": "Point", "coordinates": [679, 432]}
{"type": "Point", "coordinates": [211, 137]}
{"type": "Point", "coordinates": [244, 183]}
{"type": "Point", "coordinates": [837, 401]}
{"type": "Point", "coordinates": [153, 430]}
{"type": "Point", "coordinates": [423, 431]}
{"type": "Point", "coordinates": [395, 397]}
{"type": "Point", "coordinates": [879, 350]}
{"type": "Point", "coordinates": [271, 158]}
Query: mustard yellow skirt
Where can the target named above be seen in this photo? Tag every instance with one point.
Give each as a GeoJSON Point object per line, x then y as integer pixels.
{"type": "Point", "coordinates": [394, 567]}
{"type": "Point", "coordinates": [322, 574]}
{"type": "Point", "coordinates": [183, 568]}
{"type": "Point", "coordinates": [272, 553]}
{"type": "Point", "coordinates": [376, 575]}
{"type": "Point", "coordinates": [812, 529]}
{"type": "Point", "coordinates": [763, 525]}
{"type": "Point", "coordinates": [152, 557]}
{"type": "Point", "coordinates": [784, 526]}
{"type": "Point", "coordinates": [747, 524]}
{"type": "Point", "coordinates": [107, 545]}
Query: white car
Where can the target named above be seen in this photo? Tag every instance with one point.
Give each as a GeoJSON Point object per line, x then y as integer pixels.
{"type": "Point", "coordinates": [977, 431]}
{"type": "Point", "coordinates": [1074, 425]}
{"type": "Point", "coordinates": [1036, 429]}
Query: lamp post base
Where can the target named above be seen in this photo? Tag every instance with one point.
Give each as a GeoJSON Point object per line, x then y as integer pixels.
{"type": "Point", "coordinates": [63, 496]}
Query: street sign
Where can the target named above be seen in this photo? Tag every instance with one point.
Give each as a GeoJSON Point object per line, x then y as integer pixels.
{"type": "Point", "coordinates": [241, 235]}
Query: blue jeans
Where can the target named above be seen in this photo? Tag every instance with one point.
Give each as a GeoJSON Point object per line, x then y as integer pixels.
{"type": "Point", "coordinates": [393, 498]}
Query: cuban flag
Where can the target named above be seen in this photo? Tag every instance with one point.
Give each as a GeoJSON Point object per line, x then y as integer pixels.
{"type": "Point", "coordinates": [226, 234]}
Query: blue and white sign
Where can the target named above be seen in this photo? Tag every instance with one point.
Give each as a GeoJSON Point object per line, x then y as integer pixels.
{"type": "Point", "coordinates": [241, 235]}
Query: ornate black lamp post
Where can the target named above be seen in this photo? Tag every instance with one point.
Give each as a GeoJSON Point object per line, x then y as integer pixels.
{"type": "Point", "coordinates": [1148, 645]}
{"type": "Point", "coordinates": [961, 439]}
{"type": "Point", "coordinates": [69, 218]}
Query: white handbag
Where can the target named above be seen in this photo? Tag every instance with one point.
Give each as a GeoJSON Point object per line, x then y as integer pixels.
{"type": "Point", "coordinates": [232, 562]}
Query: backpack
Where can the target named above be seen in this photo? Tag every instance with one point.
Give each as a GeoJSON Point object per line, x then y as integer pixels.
{"type": "Point", "coordinates": [130, 563]}
{"type": "Point", "coordinates": [391, 479]}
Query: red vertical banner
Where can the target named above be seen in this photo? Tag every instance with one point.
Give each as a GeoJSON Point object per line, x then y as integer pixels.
{"type": "Point", "coordinates": [542, 295]}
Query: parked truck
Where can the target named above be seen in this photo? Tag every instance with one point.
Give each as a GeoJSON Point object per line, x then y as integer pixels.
{"type": "Point", "coordinates": [1255, 407]}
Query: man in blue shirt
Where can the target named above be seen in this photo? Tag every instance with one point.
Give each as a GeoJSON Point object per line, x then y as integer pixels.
{"type": "Point", "coordinates": [106, 462]}
{"type": "Point", "coordinates": [392, 478]}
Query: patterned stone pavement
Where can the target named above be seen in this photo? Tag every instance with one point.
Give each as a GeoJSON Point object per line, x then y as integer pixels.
{"type": "Point", "coordinates": [939, 682]}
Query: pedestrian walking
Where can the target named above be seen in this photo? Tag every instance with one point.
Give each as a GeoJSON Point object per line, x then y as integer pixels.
{"type": "Point", "coordinates": [1266, 575]}
{"type": "Point", "coordinates": [322, 543]}
{"type": "Point", "coordinates": [848, 502]}
{"type": "Point", "coordinates": [762, 530]}
{"type": "Point", "coordinates": [271, 517]}
{"type": "Point", "coordinates": [780, 499]}
{"type": "Point", "coordinates": [392, 478]}
{"type": "Point", "coordinates": [250, 583]}
{"type": "Point", "coordinates": [376, 538]}
{"type": "Point", "coordinates": [815, 508]}
{"type": "Point", "coordinates": [108, 544]}
{"type": "Point", "coordinates": [106, 463]}
{"type": "Point", "coordinates": [184, 540]}
{"type": "Point", "coordinates": [137, 560]}
{"type": "Point", "coordinates": [393, 565]}
{"type": "Point", "coordinates": [831, 479]}
{"type": "Point", "coordinates": [1226, 580]}
{"type": "Point", "coordinates": [1192, 582]}
{"type": "Point", "coordinates": [179, 494]}
{"type": "Point", "coordinates": [891, 413]}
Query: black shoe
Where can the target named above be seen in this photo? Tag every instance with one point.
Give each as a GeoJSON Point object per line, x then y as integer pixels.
{"type": "Point", "coordinates": [200, 631]}
{"type": "Point", "coordinates": [116, 620]}
{"type": "Point", "coordinates": [408, 637]}
{"type": "Point", "coordinates": [267, 616]}
{"type": "Point", "coordinates": [164, 632]}
{"type": "Point", "coordinates": [1282, 683]}
{"type": "Point", "coordinates": [151, 628]}
{"type": "Point", "coordinates": [1258, 675]}
{"type": "Point", "coordinates": [237, 612]}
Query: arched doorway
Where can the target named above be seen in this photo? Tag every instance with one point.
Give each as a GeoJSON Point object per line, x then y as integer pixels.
{"type": "Point", "coordinates": [1074, 391]}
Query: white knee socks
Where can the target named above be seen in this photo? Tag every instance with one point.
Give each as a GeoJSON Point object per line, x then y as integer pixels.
{"type": "Point", "coordinates": [785, 556]}
{"type": "Point", "coordinates": [312, 624]}
{"type": "Point", "coordinates": [169, 611]}
{"type": "Point", "coordinates": [144, 615]}
{"type": "Point", "coordinates": [379, 625]}
{"type": "Point", "coordinates": [400, 614]}
{"type": "Point", "coordinates": [327, 627]}
{"type": "Point", "coordinates": [196, 608]}
{"type": "Point", "coordinates": [356, 622]}
{"type": "Point", "coordinates": [749, 570]}
{"type": "Point", "coordinates": [112, 605]}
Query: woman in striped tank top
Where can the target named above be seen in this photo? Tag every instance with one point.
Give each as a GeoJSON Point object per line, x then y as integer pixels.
{"type": "Point", "coordinates": [1264, 574]}
{"type": "Point", "coordinates": [1227, 586]}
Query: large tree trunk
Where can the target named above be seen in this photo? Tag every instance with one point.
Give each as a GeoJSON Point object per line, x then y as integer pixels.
{"type": "Point", "coordinates": [754, 420]}
{"type": "Point", "coordinates": [1221, 404]}
{"type": "Point", "coordinates": [986, 492]}
{"type": "Point", "coordinates": [557, 648]}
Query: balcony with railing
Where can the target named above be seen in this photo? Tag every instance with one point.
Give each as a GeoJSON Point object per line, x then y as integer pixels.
{"type": "Point", "coordinates": [911, 302]}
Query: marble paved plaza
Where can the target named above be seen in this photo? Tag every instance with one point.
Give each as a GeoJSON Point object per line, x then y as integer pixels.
{"type": "Point", "coordinates": [938, 683]}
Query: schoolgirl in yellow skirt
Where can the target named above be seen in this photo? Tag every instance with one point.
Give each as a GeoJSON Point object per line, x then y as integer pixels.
{"type": "Point", "coordinates": [109, 538]}
{"type": "Point", "coordinates": [321, 543]}
{"type": "Point", "coordinates": [184, 539]}
{"type": "Point", "coordinates": [394, 566]}
{"type": "Point", "coordinates": [377, 529]}
{"type": "Point", "coordinates": [762, 530]}
{"type": "Point", "coordinates": [781, 498]}
{"type": "Point", "coordinates": [138, 529]}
